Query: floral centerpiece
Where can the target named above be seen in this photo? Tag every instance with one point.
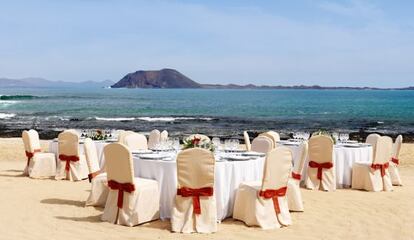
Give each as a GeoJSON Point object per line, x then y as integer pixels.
{"type": "Point", "coordinates": [98, 135]}
{"type": "Point", "coordinates": [198, 142]}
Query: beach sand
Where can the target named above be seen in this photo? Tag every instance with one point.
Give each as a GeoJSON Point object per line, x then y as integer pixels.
{"type": "Point", "coordinates": [49, 209]}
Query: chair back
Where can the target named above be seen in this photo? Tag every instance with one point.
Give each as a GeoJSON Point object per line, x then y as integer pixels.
{"type": "Point", "coordinates": [203, 137]}
{"type": "Point", "coordinates": [68, 143]}
{"type": "Point", "coordinates": [91, 155]}
{"type": "Point", "coordinates": [275, 135]}
{"type": "Point", "coordinates": [321, 149]}
{"type": "Point", "coordinates": [270, 136]}
{"type": "Point", "coordinates": [397, 147]}
{"type": "Point", "coordinates": [31, 140]}
{"type": "Point", "coordinates": [303, 154]}
{"type": "Point", "coordinates": [136, 141]}
{"type": "Point", "coordinates": [247, 141]}
{"type": "Point", "coordinates": [277, 168]}
{"type": "Point", "coordinates": [262, 144]}
{"type": "Point", "coordinates": [122, 134]}
{"type": "Point", "coordinates": [195, 168]}
{"type": "Point", "coordinates": [164, 136]}
{"type": "Point", "coordinates": [383, 150]}
{"type": "Point", "coordinates": [154, 138]}
{"type": "Point", "coordinates": [372, 139]}
{"type": "Point", "coordinates": [118, 163]}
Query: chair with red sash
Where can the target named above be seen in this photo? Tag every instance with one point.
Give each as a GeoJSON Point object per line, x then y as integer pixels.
{"type": "Point", "coordinates": [293, 188]}
{"type": "Point", "coordinates": [394, 173]}
{"type": "Point", "coordinates": [71, 164]}
{"type": "Point", "coordinates": [265, 203]}
{"type": "Point", "coordinates": [372, 139]}
{"type": "Point", "coordinates": [321, 169]}
{"type": "Point", "coordinates": [374, 176]}
{"type": "Point", "coordinates": [97, 177]}
{"type": "Point", "coordinates": [136, 141]}
{"type": "Point", "coordinates": [262, 144]}
{"type": "Point", "coordinates": [195, 203]}
{"type": "Point", "coordinates": [131, 200]}
{"type": "Point", "coordinates": [39, 164]}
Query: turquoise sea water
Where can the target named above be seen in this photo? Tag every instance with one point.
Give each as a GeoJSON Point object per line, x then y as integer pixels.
{"type": "Point", "coordinates": [209, 111]}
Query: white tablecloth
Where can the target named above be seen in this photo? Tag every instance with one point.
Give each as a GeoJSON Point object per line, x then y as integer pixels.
{"type": "Point", "coordinates": [228, 176]}
{"type": "Point", "coordinates": [344, 158]}
{"type": "Point", "coordinates": [54, 145]}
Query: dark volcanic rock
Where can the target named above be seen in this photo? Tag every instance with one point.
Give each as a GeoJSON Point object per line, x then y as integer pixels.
{"type": "Point", "coordinates": [165, 78]}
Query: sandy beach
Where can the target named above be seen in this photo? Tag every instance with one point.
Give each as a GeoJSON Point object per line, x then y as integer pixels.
{"type": "Point", "coordinates": [49, 209]}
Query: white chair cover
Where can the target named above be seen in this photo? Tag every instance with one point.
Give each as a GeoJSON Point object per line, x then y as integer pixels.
{"type": "Point", "coordinates": [195, 173]}
{"type": "Point", "coordinates": [372, 139]}
{"type": "Point", "coordinates": [71, 165]}
{"type": "Point", "coordinates": [262, 144]}
{"type": "Point", "coordinates": [293, 191]}
{"type": "Point", "coordinates": [39, 164]}
{"type": "Point", "coordinates": [99, 183]}
{"type": "Point", "coordinates": [154, 138]}
{"type": "Point", "coordinates": [375, 177]}
{"type": "Point", "coordinates": [136, 141]}
{"type": "Point", "coordinates": [247, 141]}
{"type": "Point", "coordinates": [122, 134]}
{"type": "Point", "coordinates": [265, 204]}
{"type": "Point", "coordinates": [394, 173]}
{"type": "Point", "coordinates": [164, 136]}
{"type": "Point", "coordinates": [131, 201]}
{"type": "Point", "coordinates": [270, 136]}
{"type": "Point", "coordinates": [275, 135]}
{"type": "Point", "coordinates": [321, 169]}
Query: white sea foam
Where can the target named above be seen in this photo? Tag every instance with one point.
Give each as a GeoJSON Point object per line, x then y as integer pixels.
{"type": "Point", "coordinates": [170, 119]}
{"type": "Point", "coordinates": [6, 103]}
{"type": "Point", "coordinates": [7, 115]}
{"type": "Point", "coordinates": [114, 119]}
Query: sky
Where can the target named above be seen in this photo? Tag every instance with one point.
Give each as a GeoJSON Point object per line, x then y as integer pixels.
{"type": "Point", "coordinates": [329, 43]}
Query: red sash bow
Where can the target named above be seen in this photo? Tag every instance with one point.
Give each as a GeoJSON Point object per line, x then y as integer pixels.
{"type": "Point", "coordinates": [395, 160]}
{"type": "Point", "coordinates": [121, 187]}
{"type": "Point", "coordinates": [274, 194]}
{"type": "Point", "coordinates": [68, 159]}
{"type": "Point", "coordinates": [30, 155]}
{"type": "Point", "coordinates": [296, 176]}
{"type": "Point", "coordinates": [196, 194]}
{"type": "Point", "coordinates": [320, 166]}
{"type": "Point", "coordinates": [381, 167]}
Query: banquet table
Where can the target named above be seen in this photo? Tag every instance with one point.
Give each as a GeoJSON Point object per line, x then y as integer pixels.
{"type": "Point", "coordinates": [228, 176]}
{"type": "Point", "coordinates": [343, 156]}
{"type": "Point", "coordinates": [54, 147]}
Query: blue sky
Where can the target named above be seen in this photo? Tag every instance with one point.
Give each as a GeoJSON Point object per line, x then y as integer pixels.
{"type": "Point", "coordinates": [330, 43]}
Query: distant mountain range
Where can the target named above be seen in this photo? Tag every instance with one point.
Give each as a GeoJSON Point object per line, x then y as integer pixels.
{"type": "Point", "coordinates": [171, 78]}
{"type": "Point", "coordinates": [164, 78]}
{"type": "Point", "coordinates": [41, 83]}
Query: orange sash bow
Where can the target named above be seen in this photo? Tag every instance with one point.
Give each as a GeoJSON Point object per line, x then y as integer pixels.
{"type": "Point", "coordinates": [196, 194]}
{"type": "Point", "coordinates": [121, 187]}
{"type": "Point", "coordinates": [274, 194]}
{"type": "Point", "coordinates": [320, 166]}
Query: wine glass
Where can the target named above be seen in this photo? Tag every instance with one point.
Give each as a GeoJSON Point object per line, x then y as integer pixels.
{"type": "Point", "coordinates": [216, 142]}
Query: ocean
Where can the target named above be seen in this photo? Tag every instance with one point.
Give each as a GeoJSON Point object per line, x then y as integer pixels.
{"type": "Point", "coordinates": [215, 112]}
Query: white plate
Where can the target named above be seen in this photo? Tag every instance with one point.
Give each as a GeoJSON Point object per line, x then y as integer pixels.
{"type": "Point", "coordinates": [353, 145]}
{"type": "Point", "coordinates": [152, 156]}
{"type": "Point", "coordinates": [141, 151]}
{"type": "Point", "coordinates": [290, 143]}
{"type": "Point", "coordinates": [254, 154]}
{"type": "Point", "coordinates": [237, 158]}
{"type": "Point", "coordinates": [234, 150]}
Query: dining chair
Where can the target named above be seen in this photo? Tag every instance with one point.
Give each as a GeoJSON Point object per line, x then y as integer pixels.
{"type": "Point", "coordinates": [97, 177]}
{"type": "Point", "coordinates": [275, 135]}
{"type": "Point", "coordinates": [375, 176]}
{"type": "Point", "coordinates": [122, 134]}
{"type": "Point", "coordinates": [262, 144]}
{"type": "Point", "coordinates": [71, 165]}
{"type": "Point", "coordinates": [372, 140]}
{"type": "Point", "coordinates": [270, 136]}
{"type": "Point", "coordinates": [154, 138]}
{"type": "Point", "coordinates": [194, 207]}
{"type": "Point", "coordinates": [321, 169]}
{"type": "Point", "coordinates": [39, 164]}
{"type": "Point", "coordinates": [136, 141]}
{"type": "Point", "coordinates": [131, 200]}
{"type": "Point", "coordinates": [293, 187]}
{"type": "Point", "coordinates": [395, 161]}
{"type": "Point", "coordinates": [247, 141]}
{"type": "Point", "coordinates": [265, 203]}
{"type": "Point", "coordinates": [164, 136]}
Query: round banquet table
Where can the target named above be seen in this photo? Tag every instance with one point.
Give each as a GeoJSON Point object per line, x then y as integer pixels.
{"type": "Point", "coordinates": [344, 158]}
{"type": "Point", "coordinates": [54, 146]}
{"type": "Point", "coordinates": [228, 176]}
